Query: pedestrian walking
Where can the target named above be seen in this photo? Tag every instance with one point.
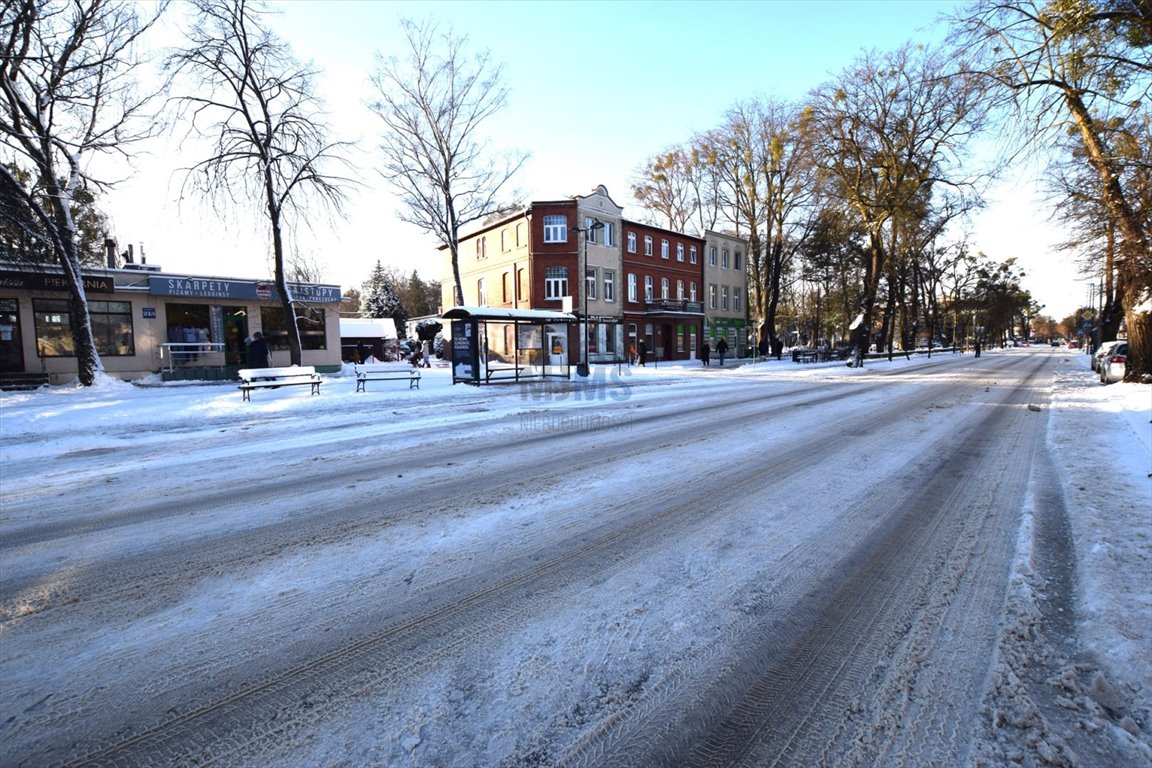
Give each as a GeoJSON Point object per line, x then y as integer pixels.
{"type": "Point", "coordinates": [257, 352]}
{"type": "Point", "coordinates": [705, 353]}
{"type": "Point", "coordinates": [642, 351]}
{"type": "Point", "coordinates": [722, 349]}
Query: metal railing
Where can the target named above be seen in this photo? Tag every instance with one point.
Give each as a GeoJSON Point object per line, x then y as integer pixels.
{"type": "Point", "coordinates": [186, 354]}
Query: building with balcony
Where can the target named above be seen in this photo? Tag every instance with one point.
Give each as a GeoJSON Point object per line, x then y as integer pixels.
{"type": "Point", "coordinates": [663, 276]}
{"type": "Point", "coordinates": [639, 282]}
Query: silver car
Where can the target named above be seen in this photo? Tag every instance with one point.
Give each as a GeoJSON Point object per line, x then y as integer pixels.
{"type": "Point", "coordinates": [1113, 364]}
{"type": "Point", "coordinates": [1101, 351]}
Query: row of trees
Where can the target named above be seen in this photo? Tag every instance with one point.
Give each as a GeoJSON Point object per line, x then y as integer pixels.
{"type": "Point", "coordinates": [846, 197]}
{"type": "Point", "coordinates": [848, 193]}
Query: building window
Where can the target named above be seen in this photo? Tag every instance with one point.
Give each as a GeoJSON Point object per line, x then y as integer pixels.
{"type": "Point", "coordinates": [504, 240]}
{"type": "Point", "coordinates": [555, 229]}
{"type": "Point", "coordinates": [631, 287]}
{"type": "Point", "coordinates": [609, 285]}
{"type": "Point", "coordinates": [663, 249]}
{"type": "Point", "coordinates": [609, 233]}
{"type": "Point", "coordinates": [519, 234]}
{"type": "Point", "coordinates": [736, 299]}
{"type": "Point", "coordinates": [506, 288]}
{"type": "Point", "coordinates": [724, 298]}
{"type": "Point", "coordinates": [724, 258]}
{"type": "Point", "coordinates": [664, 288]}
{"type": "Point", "coordinates": [647, 245]}
{"type": "Point", "coordinates": [481, 293]}
{"type": "Point", "coordinates": [590, 235]}
{"type": "Point", "coordinates": [111, 327]}
{"type": "Point", "coordinates": [692, 291]}
{"type": "Point", "coordinates": [310, 321]}
{"type": "Point", "coordinates": [647, 287]}
{"type": "Point", "coordinates": [712, 256]}
{"type": "Point", "coordinates": [711, 295]}
{"type": "Point", "coordinates": [631, 242]}
{"type": "Point", "coordinates": [679, 251]}
{"type": "Point", "coordinates": [680, 290]}
{"type": "Point", "coordinates": [692, 254]}
{"type": "Point", "coordinates": [521, 284]}
{"type": "Point", "coordinates": [555, 282]}
{"type": "Point", "coordinates": [736, 260]}
{"type": "Point", "coordinates": [590, 280]}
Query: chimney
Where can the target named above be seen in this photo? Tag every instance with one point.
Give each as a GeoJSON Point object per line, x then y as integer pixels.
{"type": "Point", "coordinates": [130, 260]}
{"type": "Point", "coordinates": [143, 260]}
{"type": "Point", "coordinates": [110, 252]}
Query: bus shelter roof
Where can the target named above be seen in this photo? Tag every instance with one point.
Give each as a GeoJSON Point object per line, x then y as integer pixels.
{"type": "Point", "coordinates": [496, 314]}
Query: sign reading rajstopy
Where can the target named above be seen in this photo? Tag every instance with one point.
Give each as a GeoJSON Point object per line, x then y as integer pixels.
{"type": "Point", "coordinates": [199, 288]}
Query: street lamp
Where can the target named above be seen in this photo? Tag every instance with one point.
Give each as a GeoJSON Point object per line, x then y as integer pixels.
{"type": "Point", "coordinates": [582, 363]}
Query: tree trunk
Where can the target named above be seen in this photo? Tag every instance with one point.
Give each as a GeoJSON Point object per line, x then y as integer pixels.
{"type": "Point", "coordinates": [292, 326]}
{"type": "Point", "coordinates": [88, 363]}
{"type": "Point", "coordinates": [1133, 247]}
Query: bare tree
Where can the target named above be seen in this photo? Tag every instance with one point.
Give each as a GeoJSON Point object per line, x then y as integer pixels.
{"type": "Point", "coordinates": [67, 82]}
{"type": "Point", "coordinates": [1082, 68]}
{"type": "Point", "coordinates": [891, 128]}
{"type": "Point", "coordinates": [271, 144]}
{"type": "Point", "coordinates": [678, 189]}
{"type": "Point", "coordinates": [433, 104]}
{"type": "Point", "coordinates": [766, 181]}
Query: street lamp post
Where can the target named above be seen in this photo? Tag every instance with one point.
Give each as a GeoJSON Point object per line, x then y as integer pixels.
{"type": "Point", "coordinates": [582, 367]}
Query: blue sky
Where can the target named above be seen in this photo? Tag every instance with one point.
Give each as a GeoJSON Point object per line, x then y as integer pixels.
{"type": "Point", "coordinates": [595, 89]}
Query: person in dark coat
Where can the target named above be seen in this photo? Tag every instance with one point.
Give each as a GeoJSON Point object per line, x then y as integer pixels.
{"type": "Point", "coordinates": [257, 351]}
{"type": "Point", "coordinates": [705, 353]}
{"type": "Point", "coordinates": [763, 347]}
{"type": "Point", "coordinates": [642, 353]}
{"type": "Point", "coordinates": [722, 349]}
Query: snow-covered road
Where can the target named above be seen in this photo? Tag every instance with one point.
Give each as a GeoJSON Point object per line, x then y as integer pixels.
{"type": "Point", "coordinates": [720, 568]}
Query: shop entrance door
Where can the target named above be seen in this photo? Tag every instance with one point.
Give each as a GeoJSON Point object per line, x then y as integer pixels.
{"type": "Point", "coordinates": [235, 331]}
{"type": "Point", "coordinates": [11, 350]}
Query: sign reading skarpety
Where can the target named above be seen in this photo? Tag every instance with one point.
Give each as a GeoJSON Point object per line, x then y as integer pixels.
{"type": "Point", "coordinates": [202, 288]}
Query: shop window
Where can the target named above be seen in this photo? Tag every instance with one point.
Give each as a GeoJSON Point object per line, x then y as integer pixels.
{"type": "Point", "coordinates": [310, 321]}
{"type": "Point", "coordinates": [111, 327]}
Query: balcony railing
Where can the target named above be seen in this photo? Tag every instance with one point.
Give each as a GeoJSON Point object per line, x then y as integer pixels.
{"type": "Point", "coordinates": [674, 305]}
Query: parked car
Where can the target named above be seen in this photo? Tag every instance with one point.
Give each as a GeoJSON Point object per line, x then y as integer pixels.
{"type": "Point", "coordinates": [1113, 365]}
{"type": "Point", "coordinates": [1101, 351]}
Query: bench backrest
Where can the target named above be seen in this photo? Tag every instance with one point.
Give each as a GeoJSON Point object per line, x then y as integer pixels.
{"type": "Point", "coordinates": [369, 368]}
{"type": "Point", "coordinates": [248, 374]}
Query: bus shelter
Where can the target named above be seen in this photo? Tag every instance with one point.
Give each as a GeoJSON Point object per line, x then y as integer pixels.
{"type": "Point", "coordinates": [491, 345]}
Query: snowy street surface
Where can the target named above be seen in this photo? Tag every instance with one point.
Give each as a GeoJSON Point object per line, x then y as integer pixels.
{"type": "Point", "coordinates": [926, 562]}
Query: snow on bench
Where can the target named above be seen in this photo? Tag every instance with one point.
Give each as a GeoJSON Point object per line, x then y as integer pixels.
{"type": "Point", "coordinates": [386, 372]}
{"type": "Point", "coordinates": [270, 378]}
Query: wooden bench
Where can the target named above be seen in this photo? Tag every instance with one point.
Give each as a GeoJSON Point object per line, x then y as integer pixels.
{"type": "Point", "coordinates": [386, 372]}
{"type": "Point", "coordinates": [270, 378]}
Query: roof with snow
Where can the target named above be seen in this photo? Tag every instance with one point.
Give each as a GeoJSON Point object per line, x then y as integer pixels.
{"type": "Point", "coordinates": [367, 328]}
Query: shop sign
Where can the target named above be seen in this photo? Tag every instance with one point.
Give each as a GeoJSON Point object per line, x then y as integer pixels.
{"type": "Point", "coordinates": [148, 313]}
{"type": "Point", "coordinates": [33, 281]}
{"type": "Point", "coordinates": [200, 288]}
{"type": "Point", "coordinates": [196, 288]}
